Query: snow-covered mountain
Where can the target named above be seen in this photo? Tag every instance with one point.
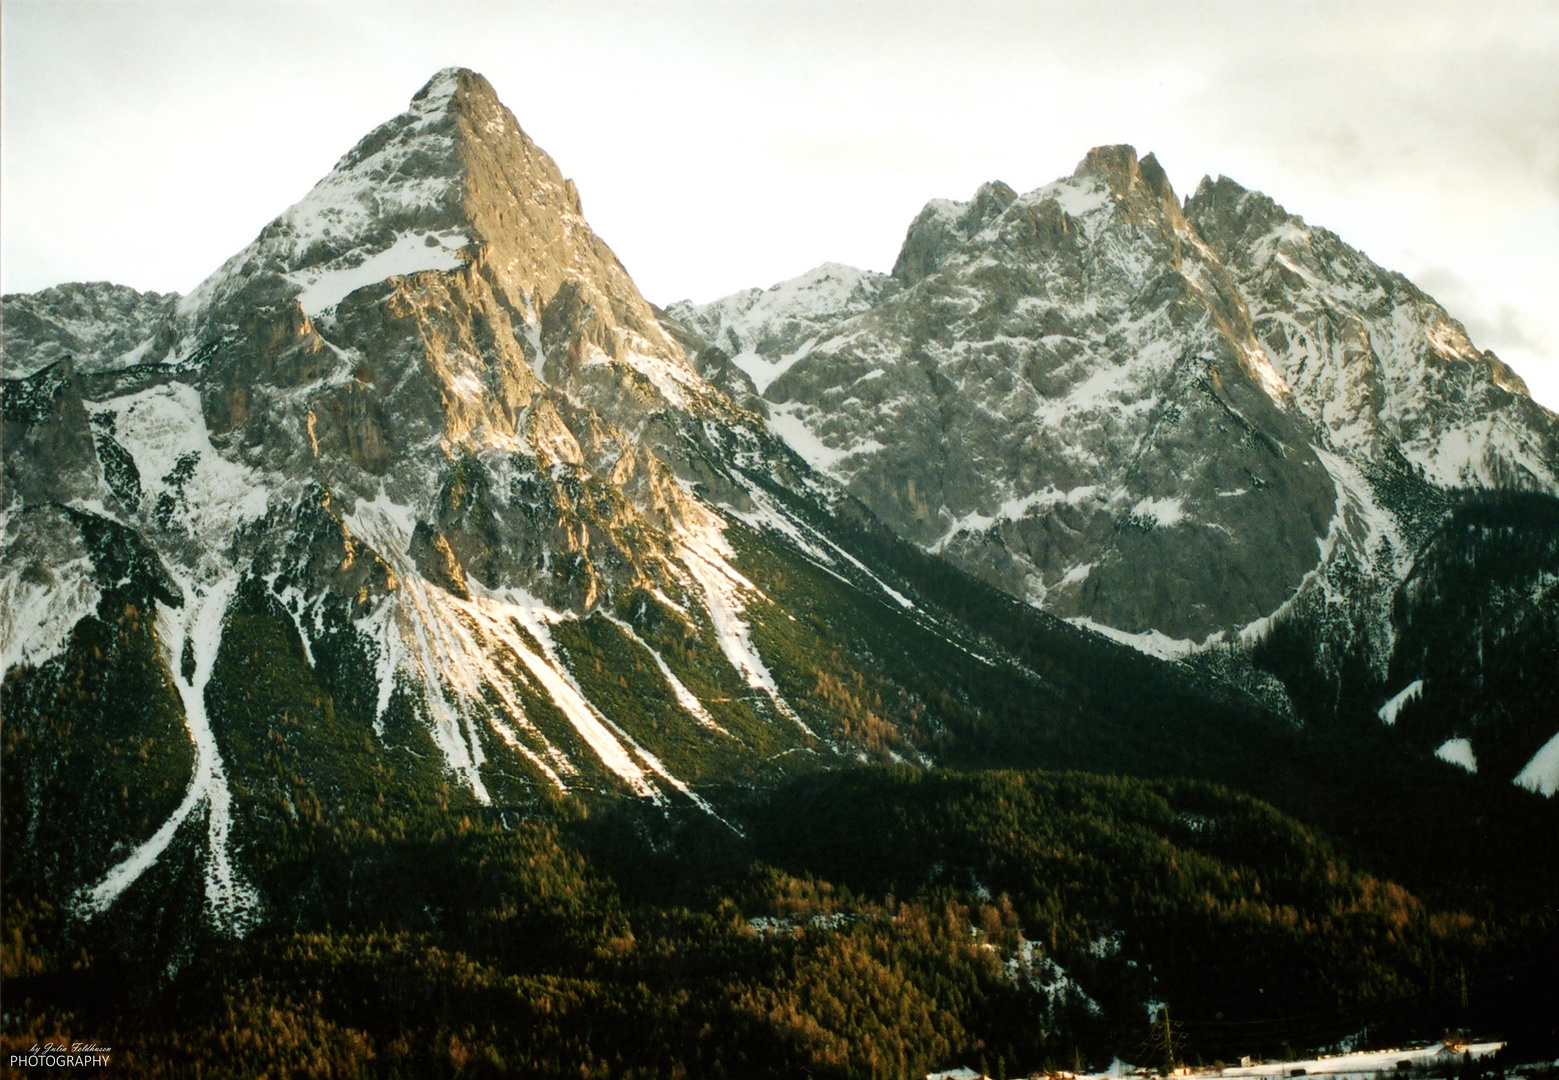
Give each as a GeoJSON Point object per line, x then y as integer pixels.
{"type": "Point", "coordinates": [428, 416]}
{"type": "Point", "coordinates": [416, 502]}
{"type": "Point", "coordinates": [1156, 418]}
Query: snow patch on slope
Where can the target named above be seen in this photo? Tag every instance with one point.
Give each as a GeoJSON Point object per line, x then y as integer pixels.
{"type": "Point", "coordinates": [233, 904]}
{"type": "Point", "coordinates": [411, 252]}
{"type": "Point", "coordinates": [1163, 513]}
{"type": "Point", "coordinates": [36, 618]}
{"type": "Point", "coordinates": [768, 514]}
{"type": "Point", "coordinates": [790, 422]}
{"type": "Point", "coordinates": [706, 555]}
{"type": "Point", "coordinates": [459, 652]}
{"type": "Point", "coordinates": [1541, 774]}
{"type": "Point", "coordinates": [1154, 642]}
{"type": "Point", "coordinates": [164, 431]}
{"type": "Point", "coordinates": [1458, 752]}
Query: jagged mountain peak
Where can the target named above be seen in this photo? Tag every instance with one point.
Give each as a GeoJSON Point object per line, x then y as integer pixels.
{"type": "Point", "coordinates": [996, 221]}
{"type": "Point", "coordinates": [456, 88]}
{"type": "Point", "coordinates": [453, 181]}
{"type": "Point", "coordinates": [1140, 185]}
{"type": "Point", "coordinates": [425, 405]}
{"type": "Point", "coordinates": [1120, 167]}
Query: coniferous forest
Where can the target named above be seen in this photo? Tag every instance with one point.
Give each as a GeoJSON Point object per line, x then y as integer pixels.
{"type": "Point", "coordinates": [1025, 904]}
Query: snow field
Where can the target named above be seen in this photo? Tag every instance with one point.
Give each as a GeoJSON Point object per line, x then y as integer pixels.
{"type": "Point", "coordinates": [36, 619]}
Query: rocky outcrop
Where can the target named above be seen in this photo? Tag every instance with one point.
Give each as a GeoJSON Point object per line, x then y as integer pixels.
{"type": "Point", "coordinates": [98, 326]}
{"type": "Point", "coordinates": [46, 442]}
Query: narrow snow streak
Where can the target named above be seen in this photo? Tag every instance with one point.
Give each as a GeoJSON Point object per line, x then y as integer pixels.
{"type": "Point", "coordinates": [725, 590]}
{"type": "Point", "coordinates": [1388, 712]}
{"type": "Point", "coordinates": [771, 514]}
{"type": "Point", "coordinates": [684, 696]}
{"type": "Point", "coordinates": [459, 651]}
{"type": "Point", "coordinates": [233, 902]}
{"type": "Point", "coordinates": [493, 616]}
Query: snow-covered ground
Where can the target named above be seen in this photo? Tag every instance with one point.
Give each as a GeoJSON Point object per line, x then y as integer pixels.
{"type": "Point", "coordinates": [1365, 1063]}
{"type": "Point", "coordinates": [1361, 1065]}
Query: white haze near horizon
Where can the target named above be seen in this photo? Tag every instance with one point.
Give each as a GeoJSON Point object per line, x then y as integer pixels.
{"type": "Point", "coordinates": [719, 146]}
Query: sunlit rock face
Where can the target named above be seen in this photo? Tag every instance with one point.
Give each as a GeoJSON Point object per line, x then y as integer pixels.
{"type": "Point", "coordinates": [1380, 366]}
{"type": "Point", "coordinates": [438, 299]}
{"type": "Point", "coordinates": [422, 420]}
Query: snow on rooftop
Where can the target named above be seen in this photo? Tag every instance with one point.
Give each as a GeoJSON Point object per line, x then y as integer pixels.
{"type": "Point", "coordinates": [1358, 1065]}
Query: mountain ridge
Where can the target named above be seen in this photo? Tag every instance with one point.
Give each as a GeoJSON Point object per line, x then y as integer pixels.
{"type": "Point", "coordinates": [814, 385]}
{"type": "Point", "coordinates": [422, 450]}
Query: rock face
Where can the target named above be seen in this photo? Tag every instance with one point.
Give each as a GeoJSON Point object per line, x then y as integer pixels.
{"type": "Point", "coordinates": [436, 298]}
{"type": "Point", "coordinates": [111, 325]}
{"type": "Point", "coordinates": [1153, 418]}
{"type": "Point", "coordinates": [1381, 367]}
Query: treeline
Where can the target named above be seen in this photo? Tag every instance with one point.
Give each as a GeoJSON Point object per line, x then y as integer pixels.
{"type": "Point", "coordinates": [874, 923]}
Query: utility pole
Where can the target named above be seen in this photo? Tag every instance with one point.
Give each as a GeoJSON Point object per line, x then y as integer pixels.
{"type": "Point", "coordinates": [1163, 1044]}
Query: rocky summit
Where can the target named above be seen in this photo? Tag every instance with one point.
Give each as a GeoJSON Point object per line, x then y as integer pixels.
{"type": "Point", "coordinates": [415, 614]}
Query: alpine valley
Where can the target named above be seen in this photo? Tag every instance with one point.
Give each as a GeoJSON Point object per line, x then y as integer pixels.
{"type": "Point", "coordinates": [1129, 629]}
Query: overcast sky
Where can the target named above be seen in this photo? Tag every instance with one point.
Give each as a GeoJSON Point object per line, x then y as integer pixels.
{"type": "Point", "coordinates": [723, 145]}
